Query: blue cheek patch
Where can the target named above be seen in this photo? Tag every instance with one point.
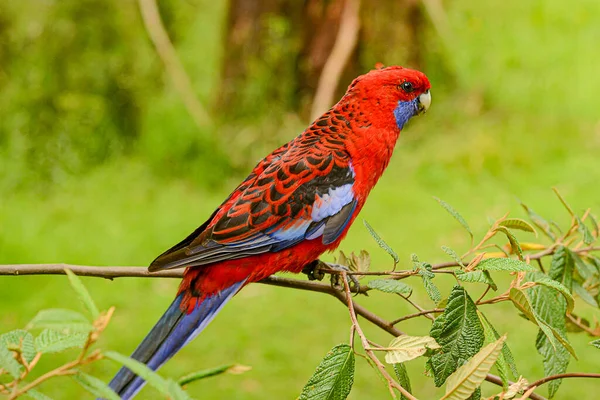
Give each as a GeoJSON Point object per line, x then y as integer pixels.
{"type": "Point", "coordinates": [404, 111]}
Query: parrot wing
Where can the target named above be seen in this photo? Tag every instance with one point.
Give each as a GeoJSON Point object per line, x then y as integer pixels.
{"type": "Point", "coordinates": [287, 202]}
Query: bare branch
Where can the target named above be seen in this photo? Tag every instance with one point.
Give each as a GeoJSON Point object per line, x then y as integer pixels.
{"type": "Point", "coordinates": [561, 376]}
{"type": "Point", "coordinates": [160, 38]}
{"type": "Point", "coordinates": [342, 50]}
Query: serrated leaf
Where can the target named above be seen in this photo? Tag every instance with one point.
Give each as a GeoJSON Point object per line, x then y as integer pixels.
{"type": "Point", "coordinates": [9, 364]}
{"type": "Point", "coordinates": [543, 279]}
{"type": "Point", "coordinates": [382, 242]}
{"type": "Point", "coordinates": [551, 309]}
{"type": "Point", "coordinates": [61, 320]}
{"type": "Point", "coordinates": [505, 363]}
{"type": "Point", "coordinates": [584, 294]}
{"type": "Point", "coordinates": [432, 290]}
{"type": "Point", "coordinates": [467, 378]}
{"type": "Point", "coordinates": [453, 255]}
{"type": "Point", "coordinates": [582, 228]}
{"type": "Point", "coordinates": [403, 379]}
{"type": "Point", "coordinates": [152, 378]}
{"type": "Point", "coordinates": [36, 395]}
{"type": "Point", "coordinates": [504, 264]}
{"type": "Point", "coordinates": [390, 286]}
{"type": "Point", "coordinates": [206, 373]}
{"type": "Point", "coordinates": [334, 376]}
{"type": "Point", "coordinates": [595, 343]}
{"type": "Point", "coordinates": [461, 335]}
{"type": "Point", "coordinates": [476, 277]}
{"type": "Point", "coordinates": [562, 266]}
{"type": "Point", "coordinates": [585, 270]}
{"type": "Point", "coordinates": [514, 243]}
{"type": "Point", "coordinates": [524, 303]}
{"type": "Point", "coordinates": [19, 339]}
{"type": "Point", "coordinates": [456, 215]}
{"type": "Point", "coordinates": [95, 386]}
{"type": "Point", "coordinates": [405, 348]}
{"type": "Point", "coordinates": [540, 222]}
{"type": "Point", "coordinates": [83, 293]}
{"type": "Point", "coordinates": [517, 223]}
{"type": "Point", "coordinates": [51, 341]}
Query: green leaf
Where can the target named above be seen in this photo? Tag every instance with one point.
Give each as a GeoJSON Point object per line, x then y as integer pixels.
{"type": "Point", "coordinates": [517, 223]}
{"type": "Point", "coordinates": [476, 277]}
{"type": "Point", "coordinates": [585, 270]}
{"type": "Point", "coordinates": [166, 387]}
{"type": "Point", "coordinates": [19, 339]}
{"type": "Point", "coordinates": [540, 222]}
{"type": "Point", "coordinates": [503, 264]}
{"type": "Point", "coordinates": [582, 228]}
{"type": "Point", "coordinates": [543, 279]}
{"type": "Point", "coordinates": [36, 395]}
{"type": "Point", "coordinates": [206, 373]}
{"type": "Point", "coordinates": [333, 377]}
{"type": "Point", "coordinates": [382, 243]}
{"type": "Point", "coordinates": [390, 286]}
{"type": "Point", "coordinates": [505, 363]}
{"type": "Point", "coordinates": [460, 337]}
{"type": "Point", "coordinates": [432, 290]}
{"type": "Point", "coordinates": [524, 303]}
{"type": "Point", "coordinates": [456, 215]}
{"type": "Point", "coordinates": [562, 266]}
{"type": "Point", "coordinates": [51, 341]}
{"type": "Point", "coordinates": [514, 243]}
{"type": "Point", "coordinates": [584, 294]}
{"type": "Point", "coordinates": [453, 255]}
{"type": "Point", "coordinates": [9, 364]}
{"type": "Point", "coordinates": [596, 343]}
{"type": "Point", "coordinates": [467, 378]}
{"type": "Point", "coordinates": [83, 294]}
{"type": "Point", "coordinates": [95, 386]}
{"type": "Point", "coordinates": [551, 309]}
{"type": "Point", "coordinates": [405, 348]}
{"type": "Point", "coordinates": [61, 320]}
{"type": "Point", "coordinates": [403, 379]}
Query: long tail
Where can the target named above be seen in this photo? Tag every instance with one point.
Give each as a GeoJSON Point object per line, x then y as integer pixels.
{"type": "Point", "coordinates": [175, 329]}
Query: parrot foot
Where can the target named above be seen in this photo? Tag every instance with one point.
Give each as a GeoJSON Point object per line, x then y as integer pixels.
{"type": "Point", "coordinates": [314, 272]}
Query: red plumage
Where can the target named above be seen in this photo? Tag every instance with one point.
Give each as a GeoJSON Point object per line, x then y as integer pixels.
{"type": "Point", "coordinates": [297, 203]}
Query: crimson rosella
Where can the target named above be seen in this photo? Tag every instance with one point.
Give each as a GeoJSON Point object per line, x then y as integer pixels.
{"type": "Point", "coordinates": [297, 203]}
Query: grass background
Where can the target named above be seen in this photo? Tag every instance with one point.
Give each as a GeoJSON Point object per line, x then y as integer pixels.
{"type": "Point", "coordinates": [521, 117]}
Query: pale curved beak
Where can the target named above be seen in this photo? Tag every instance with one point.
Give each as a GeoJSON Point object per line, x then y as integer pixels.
{"type": "Point", "coordinates": [424, 101]}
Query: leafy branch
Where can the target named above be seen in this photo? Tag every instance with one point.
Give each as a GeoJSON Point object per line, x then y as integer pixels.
{"type": "Point", "coordinates": [462, 346]}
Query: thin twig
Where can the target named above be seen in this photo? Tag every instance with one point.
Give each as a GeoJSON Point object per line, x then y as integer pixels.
{"type": "Point", "coordinates": [567, 375]}
{"type": "Point", "coordinates": [66, 369]}
{"type": "Point", "coordinates": [418, 307]}
{"type": "Point", "coordinates": [160, 38]}
{"type": "Point", "coordinates": [392, 384]}
{"type": "Point", "coordinates": [418, 314]}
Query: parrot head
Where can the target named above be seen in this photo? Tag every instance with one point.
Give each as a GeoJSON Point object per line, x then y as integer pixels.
{"type": "Point", "coordinates": [392, 93]}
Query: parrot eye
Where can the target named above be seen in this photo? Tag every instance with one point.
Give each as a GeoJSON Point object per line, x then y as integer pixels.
{"type": "Point", "coordinates": [406, 86]}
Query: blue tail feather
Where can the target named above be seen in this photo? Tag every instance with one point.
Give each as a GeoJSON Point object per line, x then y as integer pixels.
{"type": "Point", "coordinates": [174, 330]}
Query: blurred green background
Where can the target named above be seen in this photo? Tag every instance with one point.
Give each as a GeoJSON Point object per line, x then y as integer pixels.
{"type": "Point", "coordinates": [100, 163]}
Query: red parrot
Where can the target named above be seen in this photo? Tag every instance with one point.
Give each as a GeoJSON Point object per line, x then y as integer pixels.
{"type": "Point", "coordinates": [297, 203]}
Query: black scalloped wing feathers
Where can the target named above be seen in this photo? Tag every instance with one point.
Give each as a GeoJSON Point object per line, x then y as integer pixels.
{"type": "Point", "coordinates": [273, 208]}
